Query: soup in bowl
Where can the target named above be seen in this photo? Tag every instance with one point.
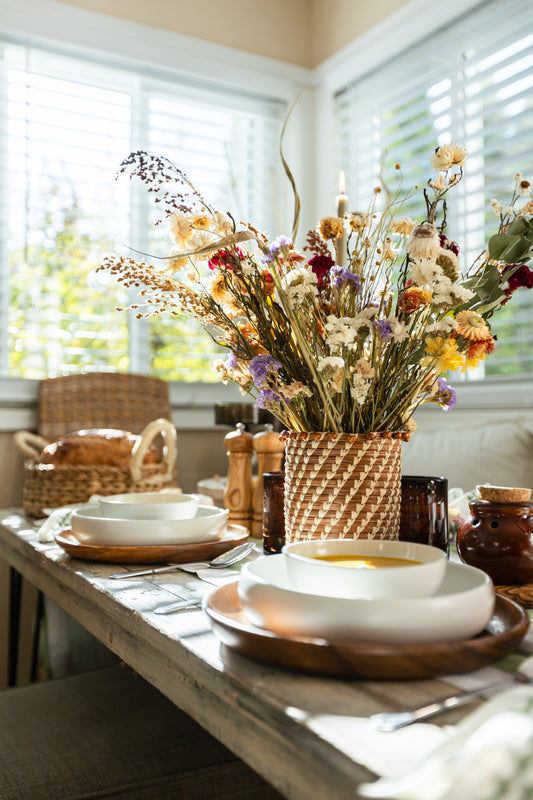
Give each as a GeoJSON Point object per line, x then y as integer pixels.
{"type": "Point", "coordinates": [365, 568]}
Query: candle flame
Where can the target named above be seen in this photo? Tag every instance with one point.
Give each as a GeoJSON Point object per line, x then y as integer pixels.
{"type": "Point", "coordinates": [342, 182]}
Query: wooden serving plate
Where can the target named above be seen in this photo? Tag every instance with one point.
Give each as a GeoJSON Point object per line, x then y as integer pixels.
{"type": "Point", "coordinates": [368, 660]}
{"type": "Point", "coordinates": [153, 554]}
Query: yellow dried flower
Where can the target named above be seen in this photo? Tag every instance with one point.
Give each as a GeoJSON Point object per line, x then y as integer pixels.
{"type": "Point", "coordinates": [357, 221]}
{"type": "Point", "coordinates": [331, 227]}
{"type": "Point", "coordinates": [443, 354]}
{"type": "Point", "coordinates": [472, 326]}
{"type": "Point", "coordinates": [201, 222]}
{"type": "Point", "coordinates": [449, 264]}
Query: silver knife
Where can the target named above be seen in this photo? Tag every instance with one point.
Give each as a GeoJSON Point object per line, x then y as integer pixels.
{"type": "Point", "coordinates": [182, 605]}
{"type": "Point", "coordinates": [226, 559]}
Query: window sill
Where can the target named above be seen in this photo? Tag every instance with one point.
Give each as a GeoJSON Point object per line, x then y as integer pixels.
{"type": "Point", "coordinates": [192, 404]}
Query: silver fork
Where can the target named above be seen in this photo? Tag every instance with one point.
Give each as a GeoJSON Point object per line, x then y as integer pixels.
{"type": "Point", "coordinates": [392, 720]}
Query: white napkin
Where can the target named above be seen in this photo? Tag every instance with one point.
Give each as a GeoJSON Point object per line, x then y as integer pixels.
{"type": "Point", "coordinates": [487, 756]}
{"type": "Point", "coordinates": [57, 521]}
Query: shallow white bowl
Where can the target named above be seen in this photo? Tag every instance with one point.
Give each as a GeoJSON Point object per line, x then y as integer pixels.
{"type": "Point", "coordinates": [149, 505]}
{"type": "Point", "coordinates": [460, 609]}
{"type": "Point", "coordinates": [90, 526]}
{"type": "Point", "coordinates": [322, 577]}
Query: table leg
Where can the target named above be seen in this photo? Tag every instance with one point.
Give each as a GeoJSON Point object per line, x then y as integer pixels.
{"type": "Point", "coordinates": [5, 608]}
{"type": "Point", "coordinates": [27, 645]}
{"type": "Point", "coordinates": [21, 608]}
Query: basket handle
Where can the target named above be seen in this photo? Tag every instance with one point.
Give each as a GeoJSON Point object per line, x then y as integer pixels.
{"type": "Point", "coordinates": [170, 450]}
{"type": "Point", "coordinates": [29, 443]}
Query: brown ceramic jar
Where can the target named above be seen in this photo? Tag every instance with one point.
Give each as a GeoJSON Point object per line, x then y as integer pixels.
{"type": "Point", "coordinates": [498, 538]}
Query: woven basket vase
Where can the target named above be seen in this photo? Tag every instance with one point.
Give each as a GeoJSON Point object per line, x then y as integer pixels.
{"type": "Point", "coordinates": [341, 485]}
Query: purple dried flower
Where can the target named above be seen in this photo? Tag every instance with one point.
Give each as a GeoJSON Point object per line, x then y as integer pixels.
{"type": "Point", "coordinates": [264, 396]}
{"type": "Point", "coordinates": [342, 275]}
{"type": "Point", "coordinates": [279, 242]}
{"type": "Point", "coordinates": [446, 396]}
{"type": "Point", "coordinates": [260, 367]}
{"type": "Point", "coordinates": [384, 329]}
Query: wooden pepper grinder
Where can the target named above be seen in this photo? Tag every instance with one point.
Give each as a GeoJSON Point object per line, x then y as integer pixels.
{"type": "Point", "coordinates": [270, 449]}
{"type": "Point", "coordinates": [239, 488]}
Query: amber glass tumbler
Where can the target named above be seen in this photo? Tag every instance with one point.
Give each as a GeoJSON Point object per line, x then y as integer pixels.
{"type": "Point", "coordinates": [273, 512]}
{"type": "Point", "coordinates": [424, 511]}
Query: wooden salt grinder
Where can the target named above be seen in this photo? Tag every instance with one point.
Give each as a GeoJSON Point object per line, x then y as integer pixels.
{"type": "Point", "coordinates": [270, 449]}
{"type": "Point", "coordinates": [238, 492]}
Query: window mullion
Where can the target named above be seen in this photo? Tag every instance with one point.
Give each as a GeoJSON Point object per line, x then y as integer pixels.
{"type": "Point", "coordinates": [139, 329]}
{"type": "Point", "coordinates": [4, 218]}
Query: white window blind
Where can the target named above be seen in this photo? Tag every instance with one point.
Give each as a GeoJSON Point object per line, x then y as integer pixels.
{"type": "Point", "coordinates": [472, 83]}
{"type": "Point", "coordinates": [66, 123]}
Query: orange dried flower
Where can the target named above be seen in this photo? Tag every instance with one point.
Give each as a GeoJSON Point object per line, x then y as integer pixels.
{"type": "Point", "coordinates": [413, 298]}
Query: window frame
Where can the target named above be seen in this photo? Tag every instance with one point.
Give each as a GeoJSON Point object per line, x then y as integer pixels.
{"type": "Point", "coordinates": [46, 22]}
{"type": "Point", "coordinates": [130, 43]}
{"type": "Point", "coordinates": [417, 20]}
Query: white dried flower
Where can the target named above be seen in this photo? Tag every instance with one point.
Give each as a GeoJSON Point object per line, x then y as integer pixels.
{"type": "Point", "coordinates": [222, 223]}
{"type": "Point", "coordinates": [330, 362]}
{"type": "Point", "coordinates": [424, 241]}
{"type": "Point", "coordinates": [359, 389]}
{"type": "Point", "coordinates": [447, 156]}
{"type": "Point", "coordinates": [402, 225]}
{"type": "Point", "coordinates": [400, 331]}
{"type": "Point", "coordinates": [181, 228]}
{"type": "Point", "coordinates": [443, 327]}
{"type": "Point", "coordinates": [424, 271]}
{"type": "Point", "coordinates": [440, 183]}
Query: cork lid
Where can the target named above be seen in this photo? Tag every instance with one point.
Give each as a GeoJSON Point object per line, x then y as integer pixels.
{"type": "Point", "coordinates": [503, 494]}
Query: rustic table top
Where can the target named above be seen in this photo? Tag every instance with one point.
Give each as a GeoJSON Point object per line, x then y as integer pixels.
{"type": "Point", "coordinates": [309, 736]}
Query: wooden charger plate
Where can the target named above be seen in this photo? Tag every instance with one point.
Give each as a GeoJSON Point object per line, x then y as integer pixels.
{"type": "Point", "coordinates": [368, 660]}
{"type": "Point", "coordinates": [148, 554]}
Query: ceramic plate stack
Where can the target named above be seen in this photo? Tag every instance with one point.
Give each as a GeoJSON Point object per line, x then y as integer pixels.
{"type": "Point", "coordinates": [273, 616]}
{"type": "Point", "coordinates": [147, 519]}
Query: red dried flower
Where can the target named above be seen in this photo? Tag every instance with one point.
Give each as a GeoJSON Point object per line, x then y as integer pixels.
{"type": "Point", "coordinates": [227, 259]}
{"type": "Point", "coordinates": [481, 348]}
{"type": "Point", "coordinates": [447, 244]}
{"type": "Point", "coordinates": [321, 266]}
{"type": "Point", "coordinates": [521, 279]}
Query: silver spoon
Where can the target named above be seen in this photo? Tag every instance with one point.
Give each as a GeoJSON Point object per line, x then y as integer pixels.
{"type": "Point", "coordinates": [226, 559]}
{"type": "Point", "coordinates": [392, 720]}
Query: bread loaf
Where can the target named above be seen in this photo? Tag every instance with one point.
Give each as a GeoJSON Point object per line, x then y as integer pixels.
{"type": "Point", "coordinates": [95, 447]}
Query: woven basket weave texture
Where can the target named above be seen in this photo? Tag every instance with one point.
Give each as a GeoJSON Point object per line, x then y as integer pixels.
{"type": "Point", "coordinates": [94, 400]}
{"type": "Point", "coordinates": [342, 486]}
{"type": "Point", "coordinates": [100, 400]}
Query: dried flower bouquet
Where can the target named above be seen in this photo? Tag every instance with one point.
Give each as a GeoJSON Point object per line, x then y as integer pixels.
{"type": "Point", "coordinates": [351, 349]}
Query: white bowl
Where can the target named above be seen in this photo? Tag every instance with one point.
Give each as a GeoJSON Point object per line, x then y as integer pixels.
{"type": "Point", "coordinates": [149, 505]}
{"type": "Point", "coordinates": [90, 526]}
{"type": "Point", "coordinates": [419, 577]}
{"type": "Point", "coordinates": [460, 609]}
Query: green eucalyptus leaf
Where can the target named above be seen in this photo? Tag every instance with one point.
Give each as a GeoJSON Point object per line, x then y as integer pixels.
{"type": "Point", "coordinates": [483, 309]}
{"type": "Point", "coordinates": [506, 247]}
{"type": "Point", "coordinates": [519, 226]}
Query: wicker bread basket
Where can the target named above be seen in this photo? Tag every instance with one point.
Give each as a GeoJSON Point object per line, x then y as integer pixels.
{"type": "Point", "coordinates": [50, 486]}
{"type": "Point", "coordinates": [68, 403]}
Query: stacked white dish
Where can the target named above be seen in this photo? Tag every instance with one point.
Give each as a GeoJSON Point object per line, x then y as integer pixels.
{"type": "Point", "coordinates": [147, 519]}
{"type": "Point", "coordinates": [458, 607]}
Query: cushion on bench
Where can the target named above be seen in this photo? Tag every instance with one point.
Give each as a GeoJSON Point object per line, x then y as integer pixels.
{"type": "Point", "coordinates": [110, 734]}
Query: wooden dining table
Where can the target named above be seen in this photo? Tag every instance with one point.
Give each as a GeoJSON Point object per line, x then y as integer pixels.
{"type": "Point", "coordinates": [308, 735]}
